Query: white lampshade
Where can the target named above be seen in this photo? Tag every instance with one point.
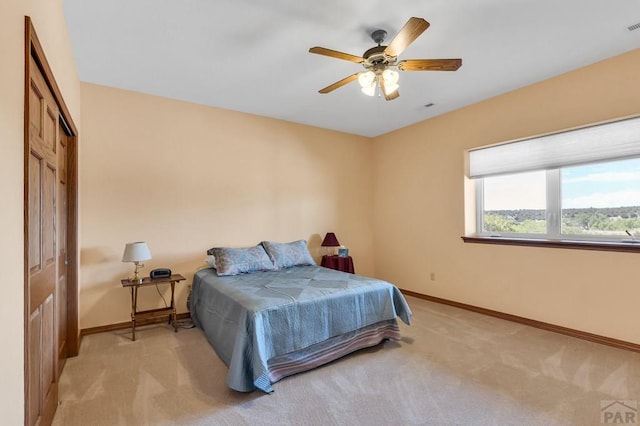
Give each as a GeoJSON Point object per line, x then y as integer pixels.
{"type": "Point", "coordinates": [391, 88]}
{"type": "Point", "coordinates": [390, 76]}
{"type": "Point", "coordinates": [136, 252]}
{"type": "Point", "coordinates": [390, 80]}
{"type": "Point", "coordinates": [367, 79]}
{"type": "Point", "coordinates": [369, 90]}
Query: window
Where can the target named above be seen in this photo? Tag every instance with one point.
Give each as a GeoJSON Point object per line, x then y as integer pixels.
{"type": "Point", "coordinates": [515, 204]}
{"type": "Point", "coordinates": [578, 185]}
{"type": "Point", "coordinates": [601, 200]}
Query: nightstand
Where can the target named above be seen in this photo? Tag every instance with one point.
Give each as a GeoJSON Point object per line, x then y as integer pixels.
{"type": "Point", "coordinates": [344, 264]}
{"type": "Point", "coordinates": [169, 311]}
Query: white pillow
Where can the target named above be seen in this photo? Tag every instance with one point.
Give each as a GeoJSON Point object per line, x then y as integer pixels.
{"type": "Point", "coordinates": [211, 261]}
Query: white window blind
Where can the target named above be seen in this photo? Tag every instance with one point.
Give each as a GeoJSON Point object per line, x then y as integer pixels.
{"type": "Point", "coordinates": [619, 139]}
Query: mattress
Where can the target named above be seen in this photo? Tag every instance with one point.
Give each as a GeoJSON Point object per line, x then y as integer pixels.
{"type": "Point", "coordinates": [266, 325]}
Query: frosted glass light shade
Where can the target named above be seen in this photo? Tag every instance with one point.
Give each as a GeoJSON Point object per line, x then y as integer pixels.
{"type": "Point", "coordinates": [367, 81]}
{"type": "Point", "coordinates": [390, 88]}
{"type": "Point", "coordinates": [369, 90]}
{"type": "Point", "coordinates": [390, 78]}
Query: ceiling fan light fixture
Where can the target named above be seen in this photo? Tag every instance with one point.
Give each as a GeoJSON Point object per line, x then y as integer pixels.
{"type": "Point", "coordinates": [379, 60]}
{"type": "Point", "coordinates": [391, 88]}
{"type": "Point", "coordinates": [367, 81]}
{"type": "Point", "coordinates": [369, 91]}
{"type": "Point", "coordinates": [390, 77]}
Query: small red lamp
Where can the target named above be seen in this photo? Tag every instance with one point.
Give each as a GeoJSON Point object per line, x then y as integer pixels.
{"type": "Point", "coordinates": [330, 241]}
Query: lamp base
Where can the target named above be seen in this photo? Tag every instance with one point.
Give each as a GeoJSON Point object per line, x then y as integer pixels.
{"type": "Point", "coordinates": [136, 277]}
{"type": "Point", "coordinates": [329, 251]}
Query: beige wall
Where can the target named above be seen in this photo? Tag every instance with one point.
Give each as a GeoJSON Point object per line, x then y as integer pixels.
{"type": "Point", "coordinates": [417, 230]}
{"type": "Point", "coordinates": [185, 177]}
{"type": "Point", "coordinates": [49, 23]}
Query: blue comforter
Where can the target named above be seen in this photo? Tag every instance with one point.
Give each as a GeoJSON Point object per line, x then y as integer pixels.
{"type": "Point", "coordinates": [251, 318]}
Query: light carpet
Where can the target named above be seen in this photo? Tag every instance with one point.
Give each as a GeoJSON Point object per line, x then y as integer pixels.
{"type": "Point", "coordinates": [452, 367]}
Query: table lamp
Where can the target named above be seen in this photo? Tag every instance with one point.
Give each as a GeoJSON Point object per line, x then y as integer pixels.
{"type": "Point", "coordinates": [136, 253]}
{"type": "Point", "coordinates": [331, 242]}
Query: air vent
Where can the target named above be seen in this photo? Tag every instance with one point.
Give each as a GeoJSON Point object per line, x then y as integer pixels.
{"type": "Point", "coordinates": [634, 27]}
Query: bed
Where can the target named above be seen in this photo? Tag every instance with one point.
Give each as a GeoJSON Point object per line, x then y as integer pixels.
{"type": "Point", "coordinates": [283, 315]}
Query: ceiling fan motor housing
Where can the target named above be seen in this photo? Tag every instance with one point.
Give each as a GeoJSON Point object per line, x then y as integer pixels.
{"type": "Point", "coordinates": [376, 56]}
{"type": "Point", "coordinates": [378, 36]}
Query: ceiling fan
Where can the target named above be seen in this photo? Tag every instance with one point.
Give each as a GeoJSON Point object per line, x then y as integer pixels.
{"type": "Point", "coordinates": [379, 61]}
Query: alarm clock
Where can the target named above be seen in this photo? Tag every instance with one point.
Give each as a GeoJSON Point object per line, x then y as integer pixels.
{"type": "Point", "coordinates": [160, 273]}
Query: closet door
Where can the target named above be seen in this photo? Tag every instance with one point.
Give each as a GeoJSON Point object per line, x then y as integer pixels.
{"type": "Point", "coordinates": [62, 254]}
{"type": "Point", "coordinates": [42, 259]}
{"type": "Point", "coordinates": [50, 234]}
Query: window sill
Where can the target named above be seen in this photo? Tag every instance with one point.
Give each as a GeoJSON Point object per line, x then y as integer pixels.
{"type": "Point", "coordinates": [564, 244]}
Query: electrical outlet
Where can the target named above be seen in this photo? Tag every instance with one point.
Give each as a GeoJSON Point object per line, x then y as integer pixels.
{"type": "Point", "coordinates": [433, 276]}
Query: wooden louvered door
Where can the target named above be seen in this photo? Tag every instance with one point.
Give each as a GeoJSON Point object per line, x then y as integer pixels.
{"type": "Point", "coordinates": [42, 259]}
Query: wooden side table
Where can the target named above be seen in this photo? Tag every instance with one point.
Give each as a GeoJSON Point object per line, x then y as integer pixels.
{"type": "Point", "coordinates": [152, 313]}
{"type": "Point", "coordinates": [344, 264]}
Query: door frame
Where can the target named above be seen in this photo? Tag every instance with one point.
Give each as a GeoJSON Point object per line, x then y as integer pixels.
{"type": "Point", "coordinates": [33, 48]}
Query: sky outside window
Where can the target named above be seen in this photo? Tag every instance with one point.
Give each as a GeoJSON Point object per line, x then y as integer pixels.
{"type": "Point", "coordinates": [613, 184]}
{"type": "Point", "coordinates": [515, 192]}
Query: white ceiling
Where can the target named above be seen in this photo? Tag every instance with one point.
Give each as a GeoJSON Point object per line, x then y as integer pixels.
{"type": "Point", "coordinates": [252, 55]}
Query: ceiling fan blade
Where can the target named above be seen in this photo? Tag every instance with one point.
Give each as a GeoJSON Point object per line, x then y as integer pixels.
{"type": "Point", "coordinates": [336, 54]}
{"type": "Point", "coordinates": [411, 31]}
{"type": "Point", "coordinates": [388, 96]}
{"type": "Point", "coordinates": [429, 64]}
{"type": "Point", "coordinates": [391, 96]}
{"type": "Point", "coordinates": [339, 83]}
